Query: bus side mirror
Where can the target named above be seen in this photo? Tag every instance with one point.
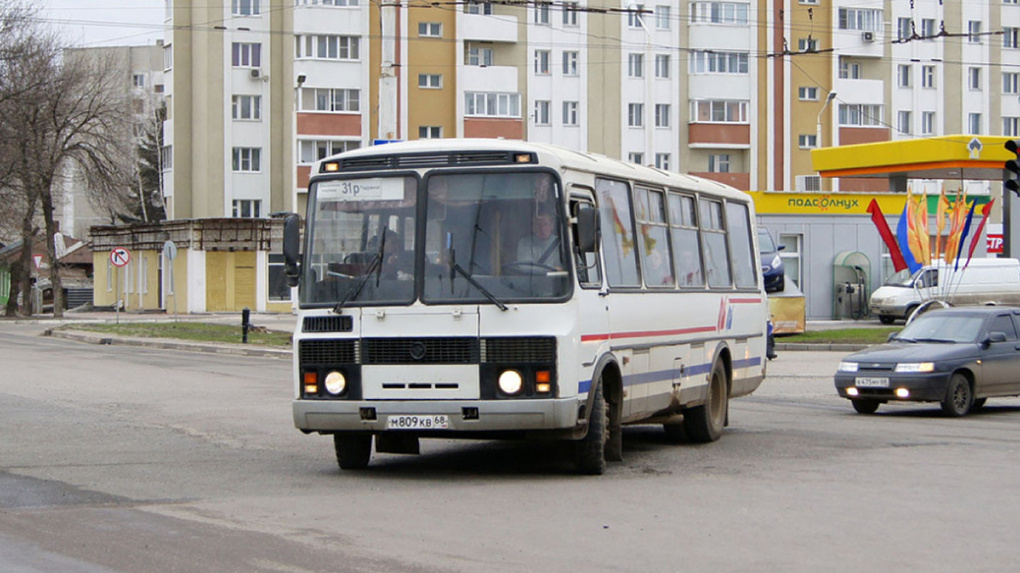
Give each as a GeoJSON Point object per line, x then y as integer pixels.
{"type": "Point", "coordinates": [588, 234]}
{"type": "Point", "coordinates": [291, 248]}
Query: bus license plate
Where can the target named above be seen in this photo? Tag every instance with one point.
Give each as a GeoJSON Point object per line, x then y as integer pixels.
{"type": "Point", "coordinates": [437, 422]}
{"type": "Point", "coordinates": [872, 382]}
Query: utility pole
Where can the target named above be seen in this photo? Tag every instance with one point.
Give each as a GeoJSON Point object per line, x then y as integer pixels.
{"type": "Point", "coordinates": [388, 91]}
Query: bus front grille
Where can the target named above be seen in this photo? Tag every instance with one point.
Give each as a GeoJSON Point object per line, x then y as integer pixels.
{"type": "Point", "coordinates": [519, 349]}
{"type": "Point", "coordinates": [420, 351]}
{"type": "Point", "coordinates": [327, 352]}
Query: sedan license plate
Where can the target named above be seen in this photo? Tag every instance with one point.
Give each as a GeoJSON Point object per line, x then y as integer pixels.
{"type": "Point", "coordinates": [871, 382]}
{"type": "Point", "coordinates": [437, 422]}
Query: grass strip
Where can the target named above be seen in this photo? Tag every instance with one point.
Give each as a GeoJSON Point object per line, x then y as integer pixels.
{"type": "Point", "coordinates": [193, 331]}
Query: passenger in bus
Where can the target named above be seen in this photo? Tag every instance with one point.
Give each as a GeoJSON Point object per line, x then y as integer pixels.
{"type": "Point", "coordinates": [689, 269]}
{"type": "Point", "coordinates": [542, 245]}
{"type": "Point", "coordinates": [396, 263]}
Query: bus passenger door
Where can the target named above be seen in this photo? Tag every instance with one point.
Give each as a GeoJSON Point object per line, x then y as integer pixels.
{"type": "Point", "coordinates": [592, 304]}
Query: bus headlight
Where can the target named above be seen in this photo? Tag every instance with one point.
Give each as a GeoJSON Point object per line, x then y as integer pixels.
{"type": "Point", "coordinates": [510, 382]}
{"type": "Point", "coordinates": [335, 383]}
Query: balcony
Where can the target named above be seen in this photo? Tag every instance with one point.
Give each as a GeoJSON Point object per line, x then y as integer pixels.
{"type": "Point", "coordinates": [489, 28]}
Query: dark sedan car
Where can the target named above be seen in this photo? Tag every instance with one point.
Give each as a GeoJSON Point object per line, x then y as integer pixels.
{"type": "Point", "coordinates": [955, 356]}
{"type": "Point", "coordinates": [773, 271]}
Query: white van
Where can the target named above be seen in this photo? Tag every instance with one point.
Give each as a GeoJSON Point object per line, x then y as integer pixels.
{"type": "Point", "coordinates": [985, 281]}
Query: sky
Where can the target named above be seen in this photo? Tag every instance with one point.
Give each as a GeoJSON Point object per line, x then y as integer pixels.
{"type": "Point", "coordinates": [90, 23]}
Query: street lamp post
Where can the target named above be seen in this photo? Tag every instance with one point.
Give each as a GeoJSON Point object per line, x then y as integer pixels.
{"type": "Point", "coordinates": [818, 124]}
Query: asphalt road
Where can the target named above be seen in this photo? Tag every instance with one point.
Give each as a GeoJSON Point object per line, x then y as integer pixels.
{"type": "Point", "coordinates": [124, 459]}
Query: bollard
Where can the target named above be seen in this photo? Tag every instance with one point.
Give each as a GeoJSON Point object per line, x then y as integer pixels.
{"type": "Point", "coordinates": [245, 315]}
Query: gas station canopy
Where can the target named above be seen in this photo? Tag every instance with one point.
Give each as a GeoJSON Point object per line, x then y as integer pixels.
{"type": "Point", "coordinates": [970, 157]}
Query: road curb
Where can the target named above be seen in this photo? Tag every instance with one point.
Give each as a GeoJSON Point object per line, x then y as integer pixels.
{"type": "Point", "coordinates": [819, 347]}
{"type": "Point", "coordinates": [235, 350]}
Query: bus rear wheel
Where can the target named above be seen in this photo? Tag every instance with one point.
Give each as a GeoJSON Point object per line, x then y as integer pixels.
{"type": "Point", "coordinates": [590, 451]}
{"type": "Point", "coordinates": [703, 424]}
{"type": "Point", "coordinates": [352, 450]}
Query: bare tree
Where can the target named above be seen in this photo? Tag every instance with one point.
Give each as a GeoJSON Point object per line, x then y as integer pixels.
{"type": "Point", "coordinates": [73, 115]}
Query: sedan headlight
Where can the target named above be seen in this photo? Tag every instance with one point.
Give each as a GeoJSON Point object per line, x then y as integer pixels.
{"type": "Point", "coordinates": [915, 367]}
{"type": "Point", "coordinates": [848, 367]}
{"type": "Point", "coordinates": [776, 261]}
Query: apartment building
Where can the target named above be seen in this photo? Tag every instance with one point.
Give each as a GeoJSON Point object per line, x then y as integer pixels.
{"type": "Point", "coordinates": [739, 92]}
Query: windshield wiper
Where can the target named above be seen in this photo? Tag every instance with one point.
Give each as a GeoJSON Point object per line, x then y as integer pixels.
{"type": "Point", "coordinates": [353, 292]}
{"type": "Point", "coordinates": [467, 276]}
{"type": "Point", "coordinates": [939, 340]}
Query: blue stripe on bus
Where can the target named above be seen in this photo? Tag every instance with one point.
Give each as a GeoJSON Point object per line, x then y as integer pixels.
{"type": "Point", "coordinates": [658, 376]}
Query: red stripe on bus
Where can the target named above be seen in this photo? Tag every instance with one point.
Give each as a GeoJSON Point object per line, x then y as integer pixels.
{"type": "Point", "coordinates": [642, 334]}
{"type": "Point", "coordinates": [745, 300]}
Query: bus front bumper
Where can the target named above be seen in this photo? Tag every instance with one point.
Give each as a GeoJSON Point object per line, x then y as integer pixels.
{"type": "Point", "coordinates": [462, 417]}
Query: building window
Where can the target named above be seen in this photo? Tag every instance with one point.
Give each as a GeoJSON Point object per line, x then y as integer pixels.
{"type": "Point", "coordinates": [719, 111]}
{"type": "Point", "coordinates": [807, 45]}
{"type": "Point", "coordinates": [662, 161]}
{"type": "Point", "coordinates": [312, 150]}
{"type": "Point", "coordinates": [430, 29]}
{"type": "Point", "coordinates": [662, 17]}
{"type": "Point", "coordinates": [278, 289]}
{"type": "Point", "coordinates": [478, 56]}
{"type": "Point", "coordinates": [328, 47]}
{"type": "Point", "coordinates": [927, 76]}
{"type": "Point", "coordinates": [903, 73]}
{"type": "Point", "coordinates": [927, 123]}
{"type": "Point", "coordinates": [1011, 37]}
{"type": "Point", "coordinates": [974, 31]}
{"type": "Point", "coordinates": [860, 115]}
{"type": "Point", "coordinates": [247, 208]}
{"type": "Point", "coordinates": [662, 66]}
{"type": "Point", "coordinates": [662, 113]}
{"type": "Point", "coordinates": [473, 7]}
{"type": "Point", "coordinates": [569, 63]}
{"type": "Point", "coordinates": [807, 141]}
{"type": "Point", "coordinates": [138, 80]}
{"type": "Point", "coordinates": [542, 62]}
{"type": "Point", "coordinates": [245, 55]}
{"type": "Point", "coordinates": [636, 157]}
{"type": "Point", "coordinates": [636, 114]}
{"type": "Point", "coordinates": [430, 81]}
{"type": "Point", "coordinates": [326, 2]}
{"type": "Point", "coordinates": [849, 70]}
{"type": "Point", "coordinates": [245, 8]}
{"type": "Point", "coordinates": [430, 132]}
{"type": "Point", "coordinates": [166, 158]}
{"type": "Point", "coordinates": [974, 78]}
{"type": "Point", "coordinates": [330, 99]}
{"type": "Point", "coordinates": [928, 30]}
{"type": "Point", "coordinates": [860, 19]}
{"type": "Point", "coordinates": [570, 10]}
{"type": "Point", "coordinates": [247, 159]}
{"type": "Point", "coordinates": [570, 112]}
{"type": "Point", "coordinates": [492, 104]}
{"type": "Point", "coordinates": [1011, 126]}
{"type": "Point", "coordinates": [791, 256]}
{"type": "Point", "coordinates": [635, 65]}
{"type": "Point", "coordinates": [719, 163]}
{"type": "Point", "coordinates": [246, 107]}
{"type": "Point", "coordinates": [542, 14]}
{"type": "Point", "coordinates": [1010, 83]}
{"type": "Point", "coordinates": [168, 57]}
{"type": "Point", "coordinates": [719, 12]}
{"type": "Point", "coordinates": [904, 28]}
{"type": "Point", "coordinates": [807, 93]}
{"type": "Point", "coordinates": [635, 18]}
{"type": "Point", "coordinates": [974, 123]}
{"type": "Point", "coordinates": [903, 122]}
{"type": "Point", "coordinates": [718, 62]}
{"type": "Point", "coordinates": [543, 112]}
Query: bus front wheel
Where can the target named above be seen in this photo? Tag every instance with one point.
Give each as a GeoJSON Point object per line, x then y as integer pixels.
{"type": "Point", "coordinates": [352, 451]}
{"type": "Point", "coordinates": [590, 453]}
{"type": "Point", "coordinates": [704, 423]}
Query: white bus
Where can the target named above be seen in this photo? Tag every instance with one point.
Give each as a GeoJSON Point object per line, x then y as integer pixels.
{"type": "Point", "coordinates": [503, 289]}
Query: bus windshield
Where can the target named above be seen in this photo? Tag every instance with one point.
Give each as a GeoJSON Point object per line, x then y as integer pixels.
{"type": "Point", "coordinates": [491, 237]}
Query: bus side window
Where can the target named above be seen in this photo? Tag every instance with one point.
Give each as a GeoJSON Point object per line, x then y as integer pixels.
{"type": "Point", "coordinates": [588, 272]}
